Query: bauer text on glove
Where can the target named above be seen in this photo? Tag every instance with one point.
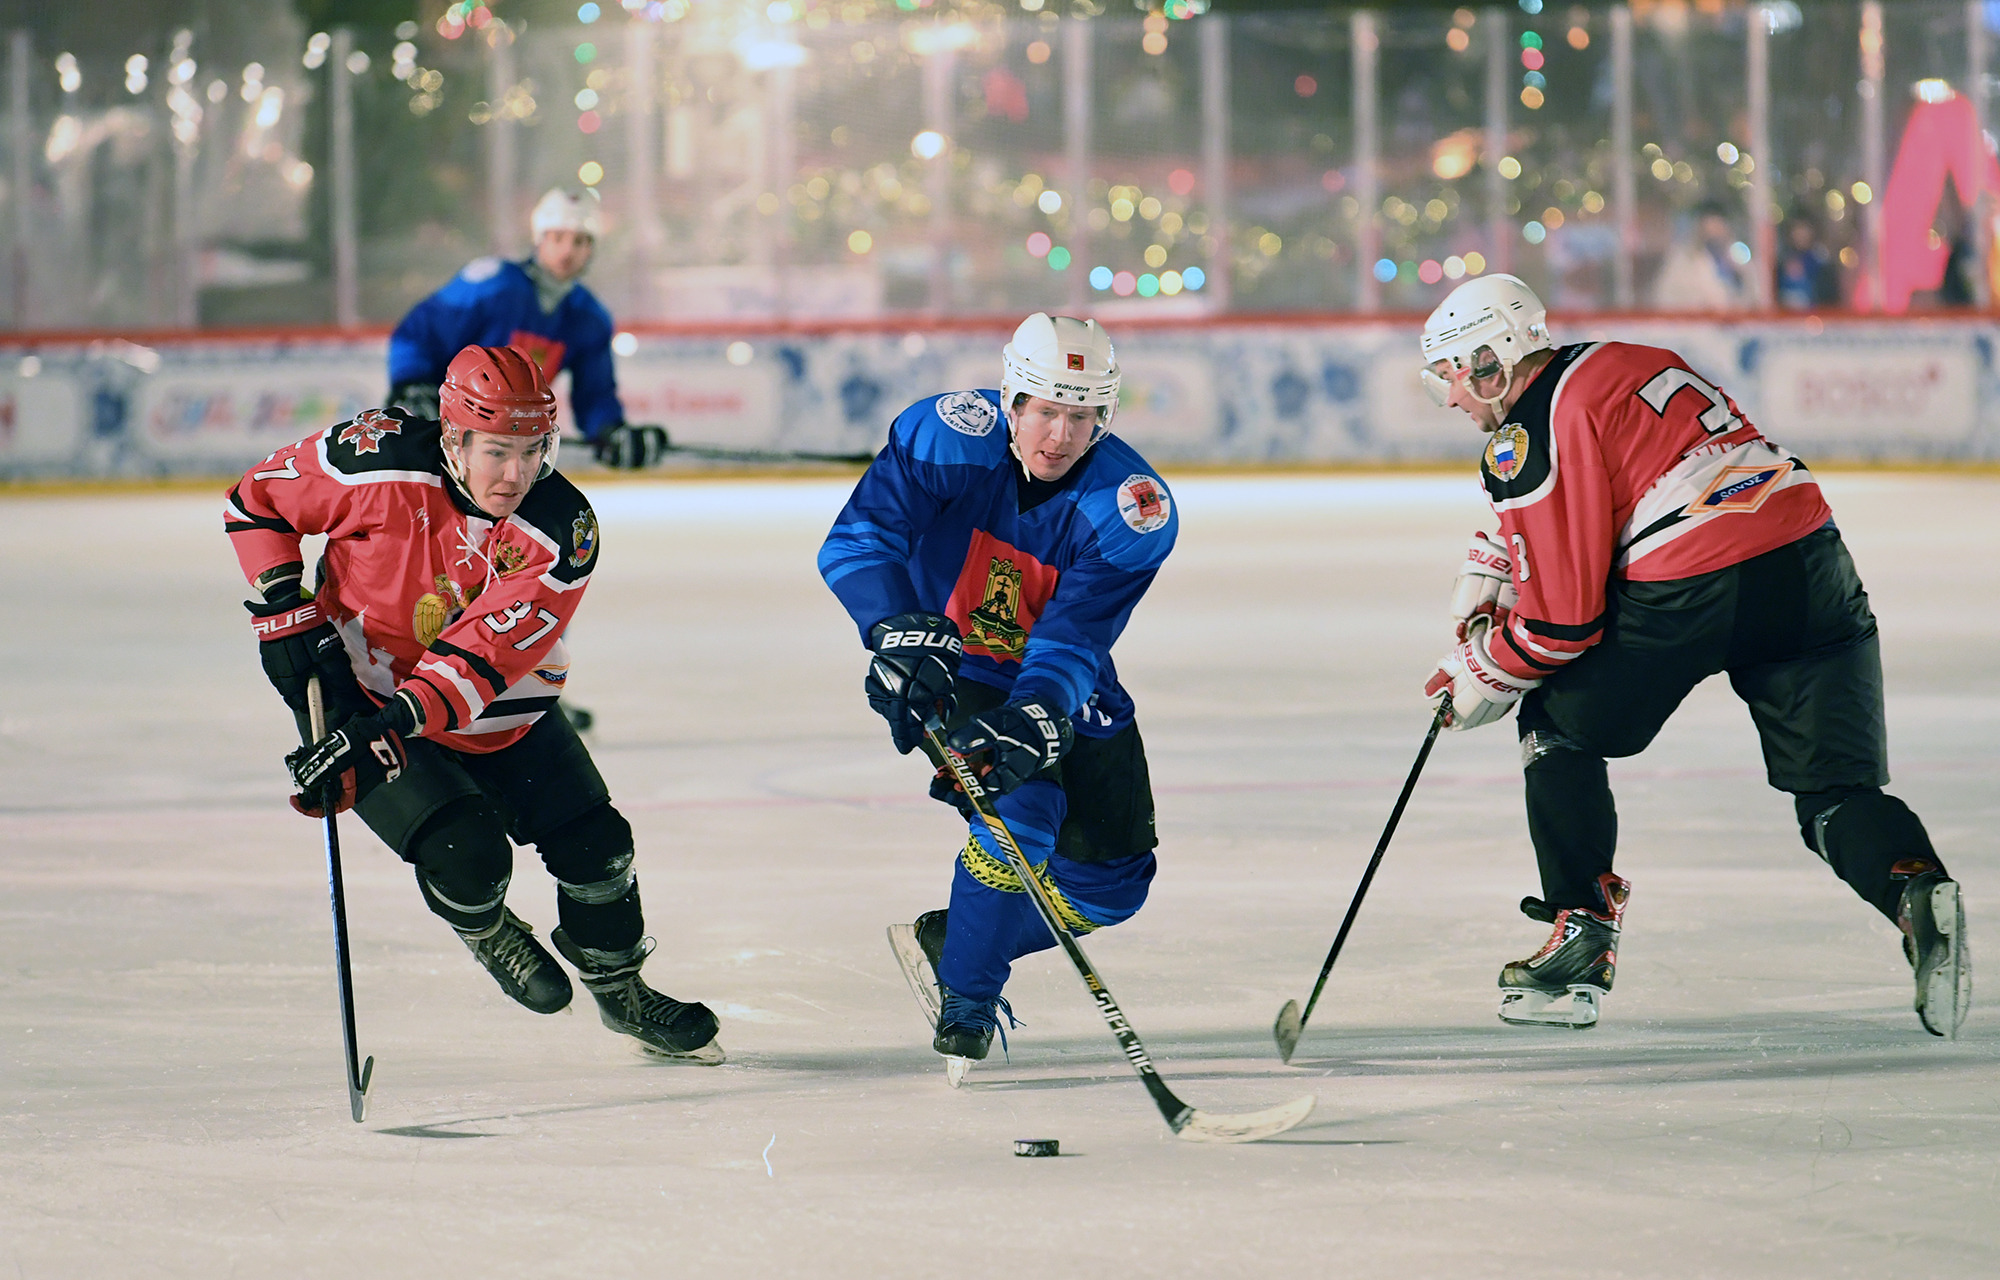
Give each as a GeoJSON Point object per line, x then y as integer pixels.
{"type": "Point", "coordinates": [910, 677]}
{"type": "Point", "coordinates": [1481, 692]}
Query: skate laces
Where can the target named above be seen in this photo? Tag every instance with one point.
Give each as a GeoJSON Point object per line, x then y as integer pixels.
{"type": "Point", "coordinates": [511, 948]}
{"type": "Point", "coordinates": [981, 1015]}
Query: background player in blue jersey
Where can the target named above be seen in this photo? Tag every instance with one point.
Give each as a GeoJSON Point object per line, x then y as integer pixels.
{"type": "Point", "coordinates": [538, 306]}
{"type": "Point", "coordinates": [991, 556]}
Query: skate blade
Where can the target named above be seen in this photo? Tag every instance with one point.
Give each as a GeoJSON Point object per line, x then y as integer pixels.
{"type": "Point", "coordinates": [1945, 996]}
{"type": "Point", "coordinates": [916, 967]}
{"type": "Point", "coordinates": [1251, 1126]}
{"type": "Point", "coordinates": [709, 1055]}
{"type": "Point", "coordinates": [1576, 1008]}
{"type": "Point", "coordinates": [956, 1069]}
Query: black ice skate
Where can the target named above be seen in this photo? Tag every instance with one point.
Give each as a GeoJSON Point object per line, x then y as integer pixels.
{"type": "Point", "coordinates": [1563, 984]}
{"type": "Point", "coordinates": [522, 966]}
{"type": "Point", "coordinates": [965, 1030]}
{"type": "Point", "coordinates": [919, 947]}
{"type": "Point", "coordinates": [663, 1026]}
{"type": "Point", "coordinates": [1932, 917]}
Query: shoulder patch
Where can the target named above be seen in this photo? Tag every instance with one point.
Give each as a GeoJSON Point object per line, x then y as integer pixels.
{"type": "Point", "coordinates": [1507, 452]}
{"type": "Point", "coordinates": [1144, 503]}
{"type": "Point", "coordinates": [481, 269]}
{"type": "Point", "coordinates": [583, 538]}
{"type": "Point", "coordinates": [968, 412]}
{"type": "Point", "coordinates": [365, 432]}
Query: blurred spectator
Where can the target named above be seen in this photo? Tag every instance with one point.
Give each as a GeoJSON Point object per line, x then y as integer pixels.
{"type": "Point", "coordinates": [1700, 271]}
{"type": "Point", "coordinates": [1807, 277]}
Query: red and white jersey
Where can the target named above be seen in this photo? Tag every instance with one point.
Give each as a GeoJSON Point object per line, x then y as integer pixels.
{"type": "Point", "coordinates": [466, 613]}
{"type": "Point", "coordinates": [1619, 462]}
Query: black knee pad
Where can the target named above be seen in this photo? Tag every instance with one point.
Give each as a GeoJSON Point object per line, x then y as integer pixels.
{"type": "Point", "coordinates": [590, 856]}
{"type": "Point", "coordinates": [463, 863]}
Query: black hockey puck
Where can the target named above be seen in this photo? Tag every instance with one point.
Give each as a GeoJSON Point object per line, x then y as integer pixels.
{"type": "Point", "coordinates": [1037, 1147]}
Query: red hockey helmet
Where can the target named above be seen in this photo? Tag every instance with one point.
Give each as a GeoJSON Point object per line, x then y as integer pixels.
{"type": "Point", "coordinates": [496, 389]}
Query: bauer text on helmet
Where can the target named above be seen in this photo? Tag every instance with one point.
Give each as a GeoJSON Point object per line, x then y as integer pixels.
{"type": "Point", "coordinates": [1483, 328]}
{"type": "Point", "coordinates": [497, 392]}
{"type": "Point", "coordinates": [1063, 359]}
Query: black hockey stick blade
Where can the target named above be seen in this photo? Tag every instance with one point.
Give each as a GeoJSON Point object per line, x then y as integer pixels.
{"type": "Point", "coordinates": [1187, 1122]}
{"type": "Point", "coordinates": [1291, 1021]}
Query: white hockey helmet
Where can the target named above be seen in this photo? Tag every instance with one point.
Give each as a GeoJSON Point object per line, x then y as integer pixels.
{"type": "Point", "coordinates": [1063, 359]}
{"type": "Point", "coordinates": [564, 210]}
{"type": "Point", "coordinates": [1497, 313]}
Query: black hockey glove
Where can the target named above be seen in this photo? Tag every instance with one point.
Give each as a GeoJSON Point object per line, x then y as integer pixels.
{"type": "Point", "coordinates": [912, 672]}
{"type": "Point", "coordinates": [353, 760]}
{"type": "Point", "coordinates": [630, 448]}
{"type": "Point", "coordinates": [296, 643]}
{"type": "Point", "coordinates": [417, 399]}
{"type": "Point", "coordinates": [1006, 747]}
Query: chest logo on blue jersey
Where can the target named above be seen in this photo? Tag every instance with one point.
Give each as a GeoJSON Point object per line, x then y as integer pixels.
{"type": "Point", "coordinates": [968, 413]}
{"type": "Point", "coordinates": [1000, 592]}
{"type": "Point", "coordinates": [1740, 489]}
{"type": "Point", "coordinates": [547, 353]}
{"type": "Point", "coordinates": [1507, 451]}
{"type": "Point", "coordinates": [1144, 504]}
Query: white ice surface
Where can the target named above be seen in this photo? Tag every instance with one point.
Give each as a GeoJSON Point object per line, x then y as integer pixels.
{"type": "Point", "coordinates": [1759, 1102]}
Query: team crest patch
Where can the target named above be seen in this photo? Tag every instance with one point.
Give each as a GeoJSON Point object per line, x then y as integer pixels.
{"type": "Point", "coordinates": [1144, 503]}
{"type": "Point", "coordinates": [1076, 361]}
{"type": "Point", "coordinates": [1507, 451]}
{"type": "Point", "coordinates": [366, 431]}
{"type": "Point", "coordinates": [1740, 489]}
{"type": "Point", "coordinates": [508, 557]}
{"type": "Point", "coordinates": [967, 412]}
{"type": "Point", "coordinates": [583, 536]}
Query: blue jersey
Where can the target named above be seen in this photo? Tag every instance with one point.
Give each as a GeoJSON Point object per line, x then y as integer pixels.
{"type": "Point", "coordinates": [492, 303]}
{"type": "Point", "coordinates": [1040, 595]}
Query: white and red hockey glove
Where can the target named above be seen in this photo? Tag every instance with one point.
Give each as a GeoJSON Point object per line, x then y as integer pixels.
{"type": "Point", "coordinates": [1481, 692]}
{"type": "Point", "coordinates": [1485, 585]}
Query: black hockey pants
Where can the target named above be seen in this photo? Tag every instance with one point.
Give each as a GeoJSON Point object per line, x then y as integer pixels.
{"type": "Point", "coordinates": [1793, 629]}
{"type": "Point", "coordinates": [451, 815]}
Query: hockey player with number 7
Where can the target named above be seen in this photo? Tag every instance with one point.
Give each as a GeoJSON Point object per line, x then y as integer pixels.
{"type": "Point", "coordinates": [1651, 537]}
{"type": "Point", "coordinates": [991, 556]}
{"type": "Point", "coordinates": [456, 556]}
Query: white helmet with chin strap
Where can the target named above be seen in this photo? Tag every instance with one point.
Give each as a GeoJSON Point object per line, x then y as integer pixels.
{"type": "Point", "coordinates": [1498, 314]}
{"type": "Point", "coordinates": [1063, 359]}
{"type": "Point", "coordinates": [562, 210]}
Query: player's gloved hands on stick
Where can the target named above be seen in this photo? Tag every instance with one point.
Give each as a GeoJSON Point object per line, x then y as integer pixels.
{"type": "Point", "coordinates": [629, 447]}
{"type": "Point", "coordinates": [354, 759]}
{"type": "Point", "coordinates": [1481, 692]}
{"type": "Point", "coordinates": [1006, 747]}
{"type": "Point", "coordinates": [910, 677]}
{"type": "Point", "coordinates": [1485, 585]}
{"type": "Point", "coordinates": [296, 642]}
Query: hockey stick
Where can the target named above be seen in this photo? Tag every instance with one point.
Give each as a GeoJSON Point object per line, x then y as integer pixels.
{"type": "Point", "coordinates": [1185, 1121]}
{"type": "Point", "coordinates": [1291, 1023]}
{"type": "Point", "coordinates": [358, 1072]}
{"type": "Point", "coordinates": [657, 443]}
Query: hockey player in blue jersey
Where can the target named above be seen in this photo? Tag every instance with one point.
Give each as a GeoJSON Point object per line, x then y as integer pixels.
{"type": "Point", "coordinates": [537, 306]}
{"type": "Point", "coordinates": [991, 556]}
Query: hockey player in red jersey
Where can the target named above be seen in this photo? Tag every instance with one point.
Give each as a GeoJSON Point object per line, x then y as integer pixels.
{"type": "Point", "coordinates": [456, 556]}
{"type": "Point", "coordinates": [1649, 538]}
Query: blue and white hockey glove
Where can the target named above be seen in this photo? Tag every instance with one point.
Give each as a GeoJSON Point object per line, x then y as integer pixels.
{"type": "Point", "coordinates": [911, 675]}
{"type": "Point", "coordinates": [1007, 746]}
